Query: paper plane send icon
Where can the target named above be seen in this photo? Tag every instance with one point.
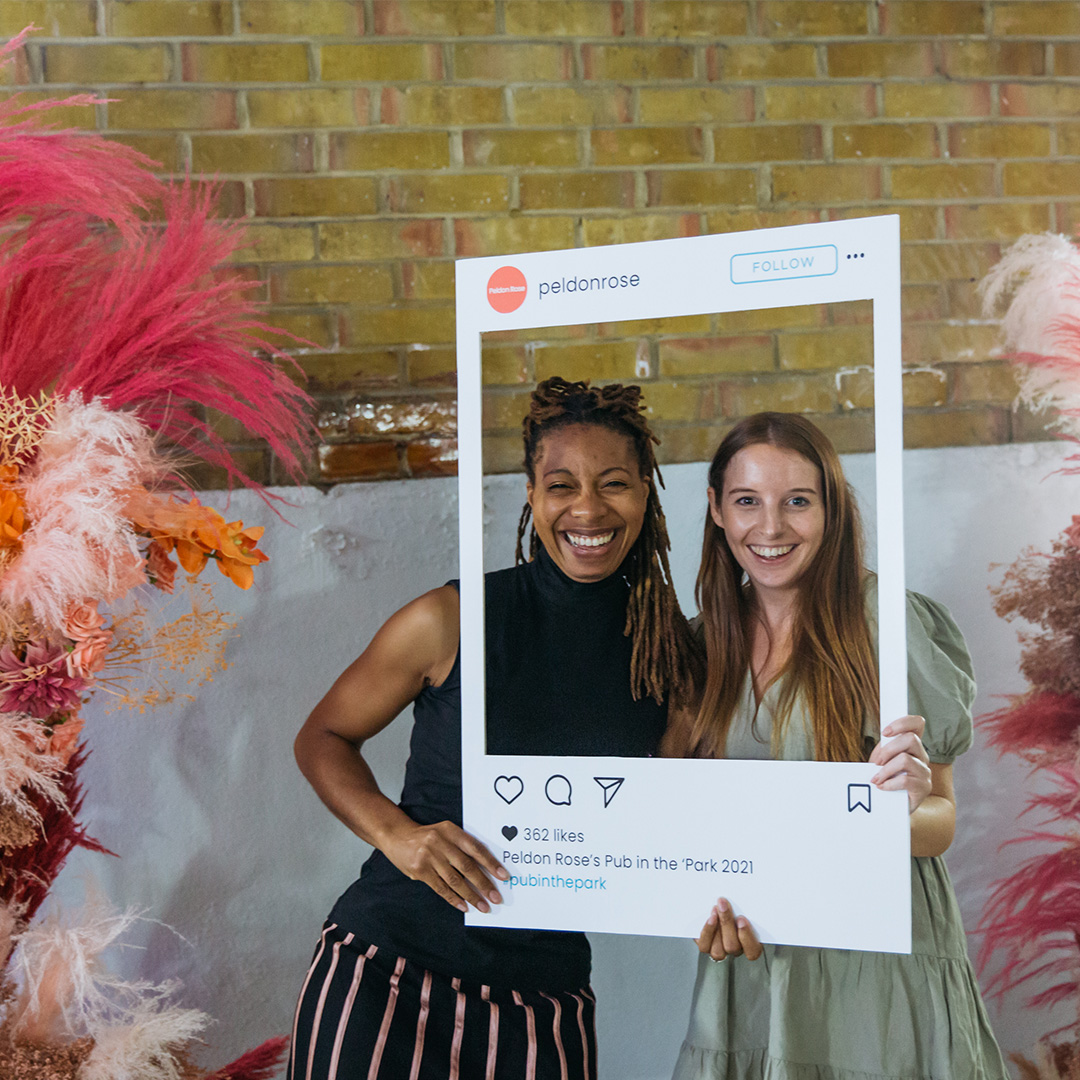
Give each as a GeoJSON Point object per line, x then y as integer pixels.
{"type": "Point", "coordinates": [610, 785]}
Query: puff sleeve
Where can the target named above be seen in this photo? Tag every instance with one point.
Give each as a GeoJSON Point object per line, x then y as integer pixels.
{"type": "Point", "coordinates": [941, 680]}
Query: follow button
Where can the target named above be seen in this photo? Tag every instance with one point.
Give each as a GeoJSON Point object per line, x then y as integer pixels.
{"type": "Point", "coordinates": [783, 265]}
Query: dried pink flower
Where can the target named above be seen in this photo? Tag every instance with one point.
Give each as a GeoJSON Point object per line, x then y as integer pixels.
{"type": "Point", "coordinates": [65, 737]}
{"type": "Point", "coordinates": [83, 621]}
{"type": "Point", "coordinates": [160, 568]}
{"type": "Point", "coordinates": [38, 683]}
{"type": "Point", "coordinates": [88, 656]}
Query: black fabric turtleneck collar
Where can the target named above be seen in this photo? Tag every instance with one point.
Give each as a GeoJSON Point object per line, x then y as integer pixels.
{"type": "Point", "coordinates": [557, 587]}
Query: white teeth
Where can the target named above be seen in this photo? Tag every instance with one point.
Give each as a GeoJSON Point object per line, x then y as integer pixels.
{"type": "Point", "coordinates": [771, 552]}
{"type": "Point", "coordinates": [589, 541]}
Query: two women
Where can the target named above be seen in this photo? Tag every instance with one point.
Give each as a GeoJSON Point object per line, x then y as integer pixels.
{"type": "Point", "coordinates": [788, 625]}
{"type": "Point", "coordinates": [586, 648]}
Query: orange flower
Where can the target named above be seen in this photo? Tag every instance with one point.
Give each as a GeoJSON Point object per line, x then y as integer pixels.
{"type": "Point", "coordinates": [237, 553]}
{"type": "Point", "coordinates": [12, 509]}
{"type": "Point", "coordinates": [197, 533]}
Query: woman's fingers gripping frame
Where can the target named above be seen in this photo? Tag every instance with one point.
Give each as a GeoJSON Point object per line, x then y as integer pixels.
{"type": "Point", "coordinates": [911, 724]}
{"type": "Point", "coordinates": [724, 935]}
{"type": "Point", "coordinates": [903, 760]}
{"type": "Point", "coordinates": [459, 868]}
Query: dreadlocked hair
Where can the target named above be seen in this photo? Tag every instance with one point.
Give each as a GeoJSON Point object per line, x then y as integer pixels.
{"type": "Point", "coordinates": [666, 660]}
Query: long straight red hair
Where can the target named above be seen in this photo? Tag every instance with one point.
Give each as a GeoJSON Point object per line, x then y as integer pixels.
{"type": "Point", "coordinates": [832, 665]}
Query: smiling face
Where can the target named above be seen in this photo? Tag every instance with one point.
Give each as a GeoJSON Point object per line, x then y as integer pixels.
{"type": "Point", "coordinates": [773, 515]}
{"type": "Point", "coordinates": [588, 499]}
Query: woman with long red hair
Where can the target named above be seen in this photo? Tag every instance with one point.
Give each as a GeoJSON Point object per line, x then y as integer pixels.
{"type": "Point", "coordinates": [787, 616]}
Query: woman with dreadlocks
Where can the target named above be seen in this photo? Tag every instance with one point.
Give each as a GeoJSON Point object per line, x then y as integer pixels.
{"type": "Point", "coordinates": [788, 616]}
{"type": "Point", "coordinates": [586, 646]}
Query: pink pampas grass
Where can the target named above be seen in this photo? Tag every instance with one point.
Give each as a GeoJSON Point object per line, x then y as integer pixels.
{"type": "Point", "coordinates": [80, 542]}
{"type": "Point", "coordinates": [29, 774]}
{"type": "Point", "coordinates": [160, 329]}
{"type": "Point", "coordinates": [1034, 918]}
{"type": "Point", "coordinates": [29, 872]}
{"type": "Point", "coordinates": [1032, 725]}
{"type": "Point", "coordinates": [262, 1063]}
{"type": "Point", "coordinates": [1040, 274]}
{"type": "Point", "coordinates": [43, 171]}
{"type": "Point", "coordinates": [141, 315]}
{"type": "Point", "coordinates": [65, 991]}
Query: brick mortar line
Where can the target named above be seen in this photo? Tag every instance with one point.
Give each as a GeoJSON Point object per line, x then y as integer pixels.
{"type": "Point", "coordinates": [552, 41]}
{"type": "Point", "coordinates": [738, 125]}
{"type": "Point", "coordinates": [606, 214]}
{"type": "Point", "coordinates": [185, 155]}
{"type": "Point", "coordinates": [243, 37]}
{"type": "Point", "coordinates": [993, 81]}
{"type": "Point", "coordinates": [451, 171]}
{"type": "Point", "coordinates": [515, 173]}
{"type": "Point", "coordinates": [574, 45]}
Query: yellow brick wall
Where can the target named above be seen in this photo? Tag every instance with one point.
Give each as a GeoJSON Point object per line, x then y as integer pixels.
{"type": "Point", "coordinates": [371, 143]}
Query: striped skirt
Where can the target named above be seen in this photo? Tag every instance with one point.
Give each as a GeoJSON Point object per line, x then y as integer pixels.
{"type": "Point", "coordinates": [365, 1014]}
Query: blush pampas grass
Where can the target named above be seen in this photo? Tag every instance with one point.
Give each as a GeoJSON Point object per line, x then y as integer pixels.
{"type": "Point", "coordinates": [63, 991]}
{"type": "Point", "coordinates": [120, 334]}
{"type": "Point", "coordinates": [1036, 288]}
{"type": "Point", "coordinates": [27, 768]}
{"type": "Point", "coordinates": [75, 492]}
{"type": "Point", "coordinates": [1031, 924]}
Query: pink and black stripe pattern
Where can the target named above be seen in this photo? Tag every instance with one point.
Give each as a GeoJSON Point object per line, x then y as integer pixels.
{"type": "Point", "coordinates": [365, 1014]}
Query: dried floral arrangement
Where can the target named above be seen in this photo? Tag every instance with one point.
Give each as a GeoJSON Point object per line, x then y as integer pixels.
{"type": "Point", "coordinates": [118, 332]}
{"type": "Point", "coordinates": [1032, 918]}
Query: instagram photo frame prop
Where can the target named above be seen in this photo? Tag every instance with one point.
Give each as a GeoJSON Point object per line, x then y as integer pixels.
{"type": "Point", "coordinates": [810, 852]}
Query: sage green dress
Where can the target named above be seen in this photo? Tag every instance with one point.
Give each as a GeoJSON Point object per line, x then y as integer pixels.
{"type": "Point", "coordinates": [830, 1014]}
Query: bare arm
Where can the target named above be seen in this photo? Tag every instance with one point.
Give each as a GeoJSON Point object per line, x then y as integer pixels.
{"type": "Point", "coordinates": [415, 648]}
{"type": "Point", "coordinates": [906, 767]}
{"type": "Point", "coordinates": [933, 823]}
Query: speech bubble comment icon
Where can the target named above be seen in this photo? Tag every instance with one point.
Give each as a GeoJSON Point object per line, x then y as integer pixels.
{"type": "Point", "coordinates": [508, 788]}
{"type": "Point", "coordinates": [558, 790]}
{"type": "Point", "coordinates": [610, 786]}
{"type": "Point", "coordinates": [858, 797]}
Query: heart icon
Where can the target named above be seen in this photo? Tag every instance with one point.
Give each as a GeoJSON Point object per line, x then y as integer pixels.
{"type": "Point", "coordinates": [508, 788]}
{"type": "Point", "coordinates": [509, 831]}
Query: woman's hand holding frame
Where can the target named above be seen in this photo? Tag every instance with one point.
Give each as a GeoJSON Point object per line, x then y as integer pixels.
{"type": "Point", "coordinates": [904, 763]}
{"type": "Point", "coordinates": [724, 935]}
{"type": "Point", "coordinates": [414, 649]}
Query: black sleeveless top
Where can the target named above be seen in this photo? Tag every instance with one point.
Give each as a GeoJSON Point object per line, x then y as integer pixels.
{"type": "Point", "coordinates": [558, 682]}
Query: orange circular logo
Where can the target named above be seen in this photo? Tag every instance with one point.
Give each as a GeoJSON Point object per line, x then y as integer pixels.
{"type": "Point", "coordinates": [506, 289]}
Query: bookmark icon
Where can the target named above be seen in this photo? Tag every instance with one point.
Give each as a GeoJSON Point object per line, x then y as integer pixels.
{"type": "Point", "coordinates": [858, 797]}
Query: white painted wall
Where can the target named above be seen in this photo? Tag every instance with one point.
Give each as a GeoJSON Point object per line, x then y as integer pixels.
{"type": "Point", "coordinates": [221, 839]}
